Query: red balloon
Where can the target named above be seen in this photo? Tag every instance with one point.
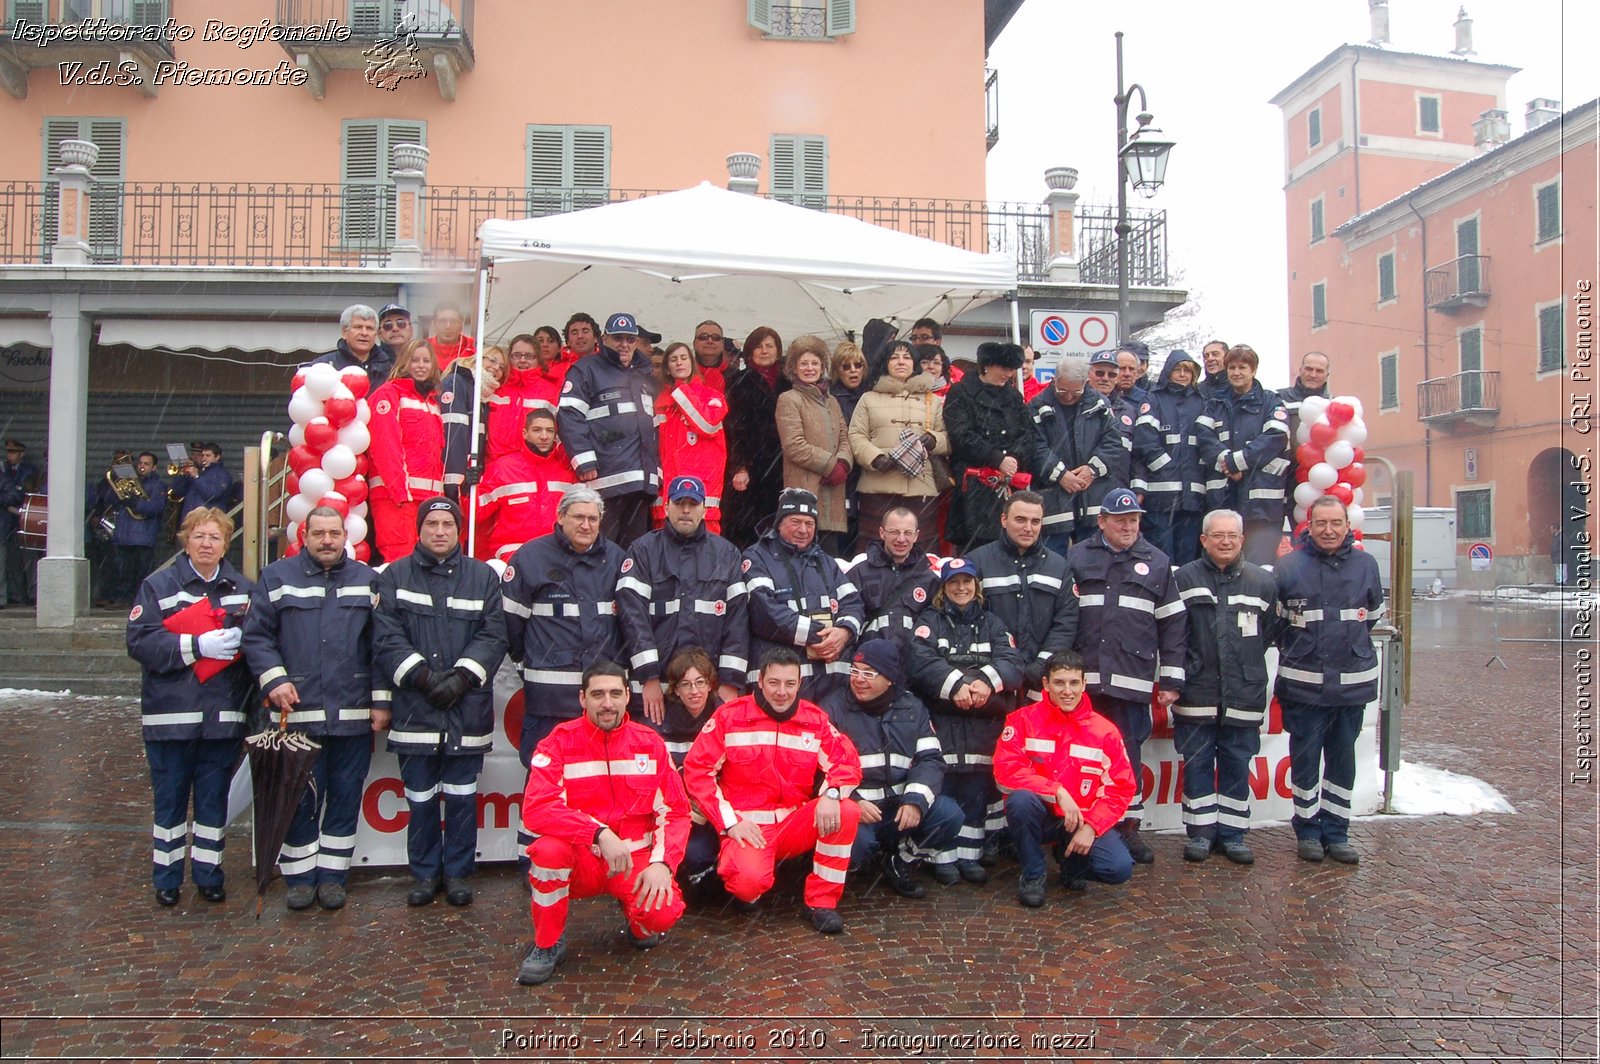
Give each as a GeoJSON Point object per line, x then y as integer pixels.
{"type": "Point", "coordinates": [336, 502]}
{"type": "Point", "coordinates": [303, 458]}
{"type": "Point", "coordinates": [363, 466]}
{"type": "Point", "coordinates": [291, 483]}
{"type": "Point", "coordinates": [1342, 492]}
{"type": "Point", "coordinates": [1308, 455]}
{"type": "Point", "coordinates": [1360, 455]}
{"type": "Point", "coordinates": [299, 379]}
{"type": "Point", "coordinates": [1301, 529]}
{"type": "Point", "coordinates": [339, 411]}
{"type": "Point", "coordinates": [363, 552]}
{"type": "Point", "coordinates": [1301, 474]}
{"type": "Point", "coordinates": [1340, 413]}
{"type": "Point", "coordinates": [320, 435]}
{"type": "Point", "coordinates": [291, 549]}
{"type": "Point", "coordinates": [1355, 474]}
{"type": "Point", "coordinates": [353, 488]}
{"type": "Point", "coordinates": [1322, 434]}
{"type": "Point", "coordinates": [1357, 533]}
{"type": "Point", "coordinates": [356, 380]}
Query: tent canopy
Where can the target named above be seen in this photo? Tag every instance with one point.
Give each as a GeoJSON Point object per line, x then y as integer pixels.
{"type": "Point", "coordinates": [679, 258]}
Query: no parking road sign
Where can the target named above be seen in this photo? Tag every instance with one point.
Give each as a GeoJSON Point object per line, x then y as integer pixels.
{"type": "Point", "coordinates": [1071, 332]}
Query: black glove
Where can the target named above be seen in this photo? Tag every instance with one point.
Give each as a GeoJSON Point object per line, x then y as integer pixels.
{"type": "Point", "coordinates": [448, 689]}
{"type": "Point", "coordinates": [473, 475]}
{"type": "Point", "coordinates": [883, 464]}
{"type": "Point", "coordinates": [928, 442]}
{"type": "Point", "coordinates": [421, 679]}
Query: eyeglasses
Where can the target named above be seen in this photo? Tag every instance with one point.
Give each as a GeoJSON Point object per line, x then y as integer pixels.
{"type": "Point", "coordinates": [693, 685]}
{"type": "Point", "coordinates": [864, 674]}
{"type": "Point", "coordinates": [1225, 537]}
{"type": "Point", "coordinates": [708, 338]}
{"type": "Point", "coordinates": [1104, 371]}
{"type": "Point", "coordinates": [395, 323]}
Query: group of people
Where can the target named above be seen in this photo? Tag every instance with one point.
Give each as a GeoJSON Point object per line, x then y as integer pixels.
{"type": "Point", "coordinates": [696, 712]}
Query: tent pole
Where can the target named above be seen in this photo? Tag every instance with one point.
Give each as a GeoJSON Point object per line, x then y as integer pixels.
{"type": "Point", "coordinates": [1016, 330]}
{"type": "Point", "coordinates": [470, 492]}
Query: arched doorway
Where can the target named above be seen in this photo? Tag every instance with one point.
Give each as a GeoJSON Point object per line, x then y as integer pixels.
{"type": "Point", "coordinates": [1552, 500]}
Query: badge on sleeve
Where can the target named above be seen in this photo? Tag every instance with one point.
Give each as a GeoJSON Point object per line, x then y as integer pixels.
{"type": "Point", "coordinates": [922, 631]}
{"type": "Point", "coordinates": [447, 397]}
{"type": "Point", "coordinates": [1280, 415]}
{"type": "Point", "coordinates": [1141, 568]}
{"type": "Point", "coordinates": [383, 407]}
{"type": "Point", "coordinates": [719, 607]}
{"type": "Point", "coordinates": [627, 565]}
{"type": "Point", "coordinates": [641, 762]}
{"type": "Point", "coordinates": [509, 575]}
{"type": "Point", "coordinates": [566, 386]}
{"type": "Point", "coordinates": [541, 760]}
{"type": "Point", "coordinates": [1009, 734]}
{"type": "Point", "coordinates": [138, 611]}
{"type": "Point", "coordinates": [919, 594]}
{"type": "Point", "coordinates": [1126, 420]}
{"type": "Point", "coordinates": [744, 566]}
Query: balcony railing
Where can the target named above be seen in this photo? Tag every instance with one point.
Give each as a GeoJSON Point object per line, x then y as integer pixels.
{"type": "Point", "coordinates": [991, 107]}
{"type": "Point", "coordinates": [93, 22]}
{"type": "Point", "coordinates": [159, 224]}
{"type": "Point", "coordinates": [1461, 282]}
{"type": "Point", "coordinates": [1470, 397]}
{"type": "Point", "coordinates": [371, 20]}
{"type": "Point", "coordinates": [797, 20]}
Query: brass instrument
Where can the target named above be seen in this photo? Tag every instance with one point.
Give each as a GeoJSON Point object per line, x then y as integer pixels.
{"type": "Point", "coordinates": [127, 487]}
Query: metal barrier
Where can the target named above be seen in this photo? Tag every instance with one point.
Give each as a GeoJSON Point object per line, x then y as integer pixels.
{"type": "Point", "coordinates": [1507, 592]}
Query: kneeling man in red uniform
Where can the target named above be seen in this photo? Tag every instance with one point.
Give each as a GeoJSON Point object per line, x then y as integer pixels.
{"type": "Point", "coordinates": [1067, 781]}
{"type": "Point", "coordinates": [611, 817]}
{"type": "Point", "coordinates": [753, 772]}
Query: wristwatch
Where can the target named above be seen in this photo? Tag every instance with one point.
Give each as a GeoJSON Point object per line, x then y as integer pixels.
{"type": "Point", "coordinates": [831, 792]}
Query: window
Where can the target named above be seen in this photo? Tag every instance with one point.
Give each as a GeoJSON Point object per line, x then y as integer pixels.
{"type": "Point", "coordinates": [105, 182]}
{"type": "Point", "coordinates": [1389, 381]}
{"type": "Point", "coordinates": [1475, 514]}
{"type": "Point", "coordinates": [367, 218]}
{"type": "Point", "coordinates": [569, 168]}
{"type": "Point", "coordinates": [800, 170]}
{"type": "Point", "coordinates": [1547, 200]}
{"type": "Point", "coordinates": [1552, 338]}
{"type": "Point", "coordinates": [803, 19]}
{"type": "Point", "coordinates": [1386, 277]}
{"type": "Point", "coordinates": [1428, 114]}
{"type": "Point", "coordinates": [1317, 230]}
{"type": "Point", "coordinates": [1319, 305]}
{"type": "Point", "coordinates": [1314, 127]}
{"type": "Point", "coordinates": [1470, 342]}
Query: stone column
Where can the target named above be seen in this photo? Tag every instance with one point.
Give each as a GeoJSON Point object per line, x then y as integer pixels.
{"type": "Point", "coordinates": [64, 571]}
{"type": "Point", "coordinates": [1062, 203]}
{"type": "Point", "coordinates": [744, 172]}
{"type": "Point", "coordinates": [410, 175]}
{"type": "Point", "coordinates": [71, 246]}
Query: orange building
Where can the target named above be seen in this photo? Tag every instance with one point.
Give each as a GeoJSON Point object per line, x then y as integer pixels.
{"type": "Point", "coordinates": [1442, 265]}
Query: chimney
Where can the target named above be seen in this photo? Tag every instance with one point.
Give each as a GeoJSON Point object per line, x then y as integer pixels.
{"type": "Point", "coordinates": [1541, 111]}
{"type": "Point", "coordinates": [1378, 13]}
{"type": "Point", "coordinates": [1492, 129]}
{"type": "Point", "coordinates": [1463, 46]}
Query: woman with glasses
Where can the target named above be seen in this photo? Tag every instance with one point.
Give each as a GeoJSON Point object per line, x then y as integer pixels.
{"type": "Point", "coordinates": [689, 421]}
{"type": "Point", "coordinates": [966, 667]}
{"type": "Point", "coordinates": [755, 454]}
{"type": "Point", "coordinates": [691, 681]}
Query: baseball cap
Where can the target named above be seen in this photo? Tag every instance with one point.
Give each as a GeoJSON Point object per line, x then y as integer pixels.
{"type": "Point", "coordinates": [958, 567]}
{"type": "Point", "coordinates": [1104, 357]}
{"type": "Point", "coordinates": [1121, 501]}
{"type": "Point", "coordinates": [392, 308]}
{"type": "Point", "coordinates": [622, 325]}
{"type": "Point", "coordinates": [646, 334]}
{"type": "Point", "coordinates": [686, 487]}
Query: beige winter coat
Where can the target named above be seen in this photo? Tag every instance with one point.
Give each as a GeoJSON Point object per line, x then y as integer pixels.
{"type": "Point", "coordinates": [890, 406]}
{"type": "Point", "coordinates": [815, 439]}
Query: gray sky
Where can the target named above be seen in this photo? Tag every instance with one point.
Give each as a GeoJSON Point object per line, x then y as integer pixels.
{"type": "Point", "coordinates": [1208, 70]}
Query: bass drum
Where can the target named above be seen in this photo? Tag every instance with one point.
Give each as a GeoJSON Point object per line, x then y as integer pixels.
{"type": "Point", "coordinates": [33, 519]}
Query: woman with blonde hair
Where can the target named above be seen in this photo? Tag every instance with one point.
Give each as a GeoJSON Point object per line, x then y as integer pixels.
{"type": "Point", "coordinates": [815, 437]}
{"type": "Point", "coordinates": [407, 451]}
{"type": "Point", "coordinates": [689, 417]}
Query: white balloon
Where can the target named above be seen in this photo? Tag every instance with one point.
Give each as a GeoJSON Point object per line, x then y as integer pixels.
{"type": "Point", "coordinates": [1358, 516]}
{"type": "Point", "coordinates": [498, 565]}
{"type": "Point", "coordinates": [1302, 434]}
{"type": "Point", "coordinates": [303, 406]}
{"type": "Point", "coordinates": [1306, 494]}
{"type": "Point", "coordinates": [1354, 432]}
{"type": "Point", "coordinates": [359, 509]}
{"type": "Point", "coordinates": [291, 533]}
{"type": "Point", "coordinates": [1338, 454]}
{"type": "Point", "coordinates": [1299, 514]}
{"type": "Point", "coordinates": [1323, 475]}
{"type": "Point", "coordinates": [297, 435]}
{"type": "Point", "coordinates": [342, 392]}
{"type": "Point", "coordinates": [1358, 495]}
{"type": "Point", "coordinates": [1312, 407]}
{"type": "Point", "coordinates": [363, 411]}
{"type": "Point", "coordinates": [321, 380]}
{"type": "Point", "coordinates": [356, 437]}
{"type": "Point", "coordinates": [356, 527]}
{"type": "Point", "coordinates": [297, 507]}
{"type": "Point", "coordinates": [314, 484]}
{"type": "Point", "coordinates": [338, 461]}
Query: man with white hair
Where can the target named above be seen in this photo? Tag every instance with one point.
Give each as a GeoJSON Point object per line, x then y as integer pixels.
{"type": "Point", "coordinates": [359, 346]}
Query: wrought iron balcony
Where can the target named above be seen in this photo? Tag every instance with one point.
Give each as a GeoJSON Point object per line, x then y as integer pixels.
{"type": "Point", "coordinates": [389, 41]}
{"type": "Point", "coordinates": [353, 225]}
{"type": "Point", "coordinates": [1469, 398]}
{"type": "Point", "coordinates": [75, 37]}
{"type": "Point", "coordinates": [796, 20]}
{"type": "Point", "coordinates": [991, 107]}
{"type": "Point", "coordinates": [1460, 283]}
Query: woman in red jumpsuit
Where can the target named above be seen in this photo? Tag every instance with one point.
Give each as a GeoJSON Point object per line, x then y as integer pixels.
{"type": "Point", "coordinates": [689, 417]}
{"type": "Point", "coordinates": [407, 451]}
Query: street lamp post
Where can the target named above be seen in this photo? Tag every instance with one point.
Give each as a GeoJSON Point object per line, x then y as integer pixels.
{"type": "Point", "coordinates": [1141, 162]}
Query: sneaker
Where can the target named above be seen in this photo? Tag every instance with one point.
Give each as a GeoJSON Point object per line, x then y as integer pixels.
{"type": "Point", "coordinates": [457, 892]}
{"type": "Point", "coordinates": [1238, 851]}
{"type": "Point", "coordinates": [826, 921]}
{"type": "Point", "coordinates": [901, 877]}
{"type": "Point", "coordinates": [1137, 849]}
{"type": "Point", "coordinates": [331, 895]}
{"type": "Point", "coordinates": [1030, 892]}
{"type": "Point", "coordinates": [1343, 852]}
{"type": "Point", "coordinates": [972, 871]}
{"type": "Point", "coordinates": [300, 896]}
{"type": "Point", "coordinates": [1196, 849]}
{"type": "Point", "coordinates": [946, 874]}
{"type": "Point", "coordinates": [1309, 850]}
{"type": "Point", "coordinates": [540, 963]}
{"type": "Point", "coordinates": [423, 892]}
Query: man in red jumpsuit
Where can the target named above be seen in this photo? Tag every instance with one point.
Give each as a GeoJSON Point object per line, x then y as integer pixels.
{"type": "Point", "coordinates": [1067, 781]}
{"type": "Point", "coordinates": [752, 772]}
{"type": "Point", "coordinates": [611, 817]}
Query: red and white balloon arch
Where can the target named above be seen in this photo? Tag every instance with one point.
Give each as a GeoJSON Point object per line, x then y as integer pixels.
{"type": "Point", "coordinates": [328, 462]}
{"type": "Point", "coordinates": [1329, 457]}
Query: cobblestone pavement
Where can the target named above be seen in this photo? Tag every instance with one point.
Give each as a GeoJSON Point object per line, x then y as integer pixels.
{"type": "Point", "coordinates": [1454, 939]}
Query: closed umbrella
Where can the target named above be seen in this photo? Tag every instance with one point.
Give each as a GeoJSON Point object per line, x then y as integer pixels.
{"type": "Point", "coordinates": [280, 771]}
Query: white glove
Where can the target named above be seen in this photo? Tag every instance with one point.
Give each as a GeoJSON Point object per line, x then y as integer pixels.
{"type": "Point", "coordinates": [222, 644]}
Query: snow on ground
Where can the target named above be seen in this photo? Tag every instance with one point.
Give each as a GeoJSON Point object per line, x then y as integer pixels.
{"type": "Point", "coordinates": [28, 692]}
{"type": "Point", "coordinates": [1423, 790]}
{"type": "Point", "coordinates": [1538, 596]}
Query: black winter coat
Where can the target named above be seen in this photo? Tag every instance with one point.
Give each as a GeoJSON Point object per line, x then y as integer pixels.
{"type": "Point", "coordinates": [1232, 621]}
{"type": "Point", "coordinates": [986, 423]}
{"type": "Point", "coordinates": [751, 429]}
{"type": "Point", "coordinates": [955, 645]}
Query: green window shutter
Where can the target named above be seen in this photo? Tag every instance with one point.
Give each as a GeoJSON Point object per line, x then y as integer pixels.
{"type": "Point", "coordinates": [105, 189]}
{"type": "Point", "coordinates": [1314, 127]}
{"type": "Point", "coordinates": [841, 17]}
{"type": "Point", "coordinates": [759, 14]}
{"type": "Point", "coordinates": [1549, 203]}
{"type": "Point", "coordinates": [1389, 377]}
{"type": "Point", "coordinates": [569, 168]}
{"type": "Point", "coordinates": [590, 153]}
{"type": "Point", "coordinates": [1386, 290]}
{"type": "Point", "coordinates": [1319, 305]}
{"type": "Point", "coordinates": [1428, 114]}
{"type": "Point", "coordinates": [1474, 515]}
{"type": "Point", "coordinates": [1317, 232]}
{"type": "Point", "coordinates": [1552, 339]}
{"type": "Point", "coordinates": [366, 155]}
{"type": "Point", "coordinates": [367, 18]}
{"type": "Point", "coordinates": [800, 170]}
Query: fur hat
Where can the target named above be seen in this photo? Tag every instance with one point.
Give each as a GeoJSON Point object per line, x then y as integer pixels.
{"type": "Point", "coordinates": [995, 353]}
